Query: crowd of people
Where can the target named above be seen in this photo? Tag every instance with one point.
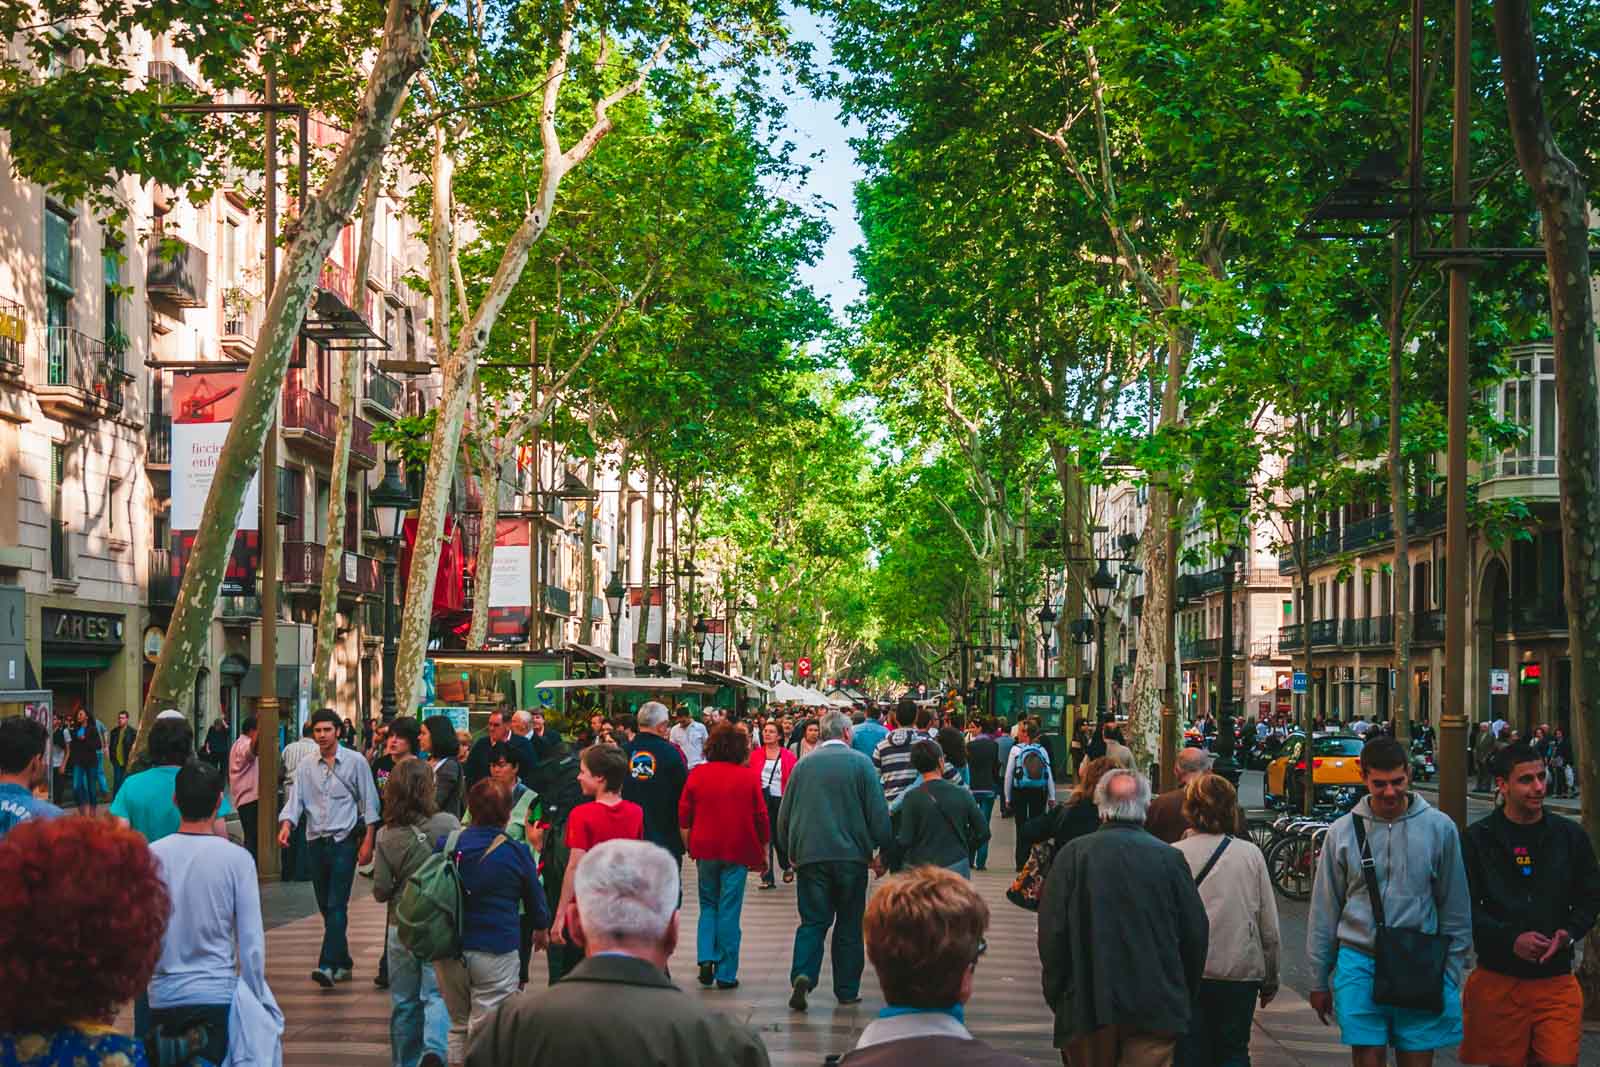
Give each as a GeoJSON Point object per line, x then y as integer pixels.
{"type": "Point", "coordinates": [488, 852]}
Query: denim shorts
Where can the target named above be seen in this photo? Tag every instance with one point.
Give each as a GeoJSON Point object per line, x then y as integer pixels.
{"type": "Point", "coordinates": [1361, 1022]}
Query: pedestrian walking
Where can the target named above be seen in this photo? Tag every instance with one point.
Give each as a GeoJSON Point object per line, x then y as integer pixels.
{"type": "Point", "coordinates": [954, 745]}
{"type": "Point", "coordinates": [617, 1005]}
{"type": "Point", "coordinates": [334, 791]}
{"type": "Point", "coordinates": [119, 749]}
{"type": "Point", "coordinates": [1390, 881]}
{"type": "Point", "coordinates": [925, 936]}
{"type": "Point", "coordinates": [439, 744]}
{"type": "Point", "coordinates": [505, 769]}
{"type": "Point", "coordinates": [22, 770]}
{"type": "Point", "coordinates": [499, 732]}
{"type": "Point", "coordinates": [242, 780]}
{"type": "Point", "coordinates": [85, 910]}
{"type": "Point", "coordinates": [807, 742]}
{"type": "Point", "coordinates": [725, 827]}
{"type": "Point", "coordinates": [892, 757]}
{"type": "Point", "coordinates": [690, 737]}
{"type": "Point", "coordinates": [984, 773]}
{"type": "Point", "coordinates": [656, 773]}
{"type": "Point", "coordinates": [1482, 750]}
{"type": "Point", "coordinates": [1535, 889]}
{"type": "Point", "coordinates": [938, 824]}
{"type": "Point", "coordinates": [217, 742]}
{"type": "Point", "coordinates": [61, 776]}
{"type": "Point", "coordinates": [83, 759]}
{"type": "Point", "coordinates": [602, 771]}
{"type": "Point", "coordinates": [773, 764]}
{"type": "Point", "coordinates": [213, 953]}
{"type": "Point", "coordinates": [1242, 947]}
{"type": "Point", "coordinates": [1079, 815]}
{"type": "Point", "coordinates": [1030, 785]}
{"type": "Point", "coordinates": [1120, 969]}
{"type": "Point", "coordinates": [498, 876]}
{"type": "Point", "coordinates": [832, 821]}
{"type": "Point", "coordinates": [145, 800]}
{"type": "Point", "coordinates": [296, 863]}
{"type": "Point", "coordinates": [1168, 820]}
{"type": "Point", "coordinates": [419, 1023]}
{"type": "Point", "coordinates": [864, 736]}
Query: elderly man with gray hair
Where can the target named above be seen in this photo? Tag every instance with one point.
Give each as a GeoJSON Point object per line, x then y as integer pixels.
{"type": "Point", "coordinates": [833, 819]}
{"type": "Point", "coordinates": [618, 1004]}
{"type": "Point", "coordinates": [1166, 819]}
{"type": "Point", "coordinates": [1120, 969]}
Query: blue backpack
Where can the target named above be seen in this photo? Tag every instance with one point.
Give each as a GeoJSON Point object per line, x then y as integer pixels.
{"type": "Point", "coordinates": [1032, 768]}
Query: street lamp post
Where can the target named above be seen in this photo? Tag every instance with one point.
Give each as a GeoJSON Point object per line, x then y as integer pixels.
{"type": "Point", "coordinates": [701, 629]}
{"type": "Point", "coordinates": [1047, 622]}
{"type": "Point", "coordinates": [614, 594]}
{"type": "Point", "coordinates": [1101, 588]}
{"type": "Point", "coordinates": [390, 500]}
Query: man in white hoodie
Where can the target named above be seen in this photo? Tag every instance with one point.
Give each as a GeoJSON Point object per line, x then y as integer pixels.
{"type": "Point", "coordinates": [1422, 881]}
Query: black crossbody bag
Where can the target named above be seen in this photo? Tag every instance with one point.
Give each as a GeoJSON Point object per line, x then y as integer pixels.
{"type": "Point", "coordinates": [1408, 964]}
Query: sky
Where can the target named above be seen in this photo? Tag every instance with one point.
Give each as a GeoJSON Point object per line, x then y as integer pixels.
{"type": "Point", "coordinates": [823, 142]}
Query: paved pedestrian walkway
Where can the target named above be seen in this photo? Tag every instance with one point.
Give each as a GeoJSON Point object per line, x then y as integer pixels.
{"type": "Point", "coordinates": [348, 1025]}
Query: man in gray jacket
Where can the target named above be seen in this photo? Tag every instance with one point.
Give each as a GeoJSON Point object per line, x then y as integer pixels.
{"type": "Point", "coordinates": [1417, 855]}
{"type": "Point", "coordinates": [833, 818]}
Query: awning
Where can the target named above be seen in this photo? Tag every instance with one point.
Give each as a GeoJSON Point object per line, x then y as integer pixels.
{"type": "Point", "coordinates": [740, 680]}
{"type": "Point", "coordinates": [234, 665]}
{"type": "Point", "coordinates": [76, 661]}
{"type": "Point", "coordinates": [640, 685]}
{"type": "Point", "coordinates": [615, 665]}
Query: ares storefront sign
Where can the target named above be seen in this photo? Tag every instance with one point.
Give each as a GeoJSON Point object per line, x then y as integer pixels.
{"type": "Point", "coordinates": [84, 628]}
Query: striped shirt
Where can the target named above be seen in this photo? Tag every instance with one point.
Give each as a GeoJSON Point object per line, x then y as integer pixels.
{"type": "Point", "coordinates": [892, 758]}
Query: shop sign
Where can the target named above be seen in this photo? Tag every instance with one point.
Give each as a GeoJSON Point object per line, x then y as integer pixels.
{"type": "Point", "coordinates": [81, 627]}
{"type": "Point", "coordinates": [1499, 682]}
{"type": "Point", "coordinates": [154, 638]}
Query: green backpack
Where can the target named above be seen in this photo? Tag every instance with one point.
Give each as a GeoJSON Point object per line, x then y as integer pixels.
{"type": "Point", "coordinates": [432, 906]}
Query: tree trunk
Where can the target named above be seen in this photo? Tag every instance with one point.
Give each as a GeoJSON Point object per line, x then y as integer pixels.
{"type": "Point", "coordinates": [460, 368]}
{"type": "Point", "coordinates": [1559, 190]}
{"type": "Point", "coordinates": [401, 55]}
{"type": "Point", "coordinates": [586, 628]}
{"type": "Point", "coordinates": [641, 636]}
{"type": "Point", "coordinates": [489, 519]}
{"type": "Point", "coordinates": [1399, 502]}
{"type": "Point", "coordinates": [323, 691]}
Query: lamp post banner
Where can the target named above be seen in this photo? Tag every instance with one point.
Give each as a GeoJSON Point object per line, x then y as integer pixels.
{"type": "Point", "coordinates": [510, 583]}
{"type": "Point", "coordinates": [203, 406]}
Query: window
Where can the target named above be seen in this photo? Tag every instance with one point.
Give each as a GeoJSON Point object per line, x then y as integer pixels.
{"type": "Point", "coordinates": [1528, 399]}
{"type": "Point", "coordinates": [321, 506]}
{"type": "Point", "coordinates": [58, 292]}
{"type": "Point", "coordinates": [60, 564]}
{"type": "Point", "coordinates": [114, 529]}
{"type": "Point", "coordinates": [111, 286]}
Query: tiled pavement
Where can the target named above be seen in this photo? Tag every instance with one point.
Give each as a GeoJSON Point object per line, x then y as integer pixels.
{"type": "Point", "coordinates": [348, 1026]}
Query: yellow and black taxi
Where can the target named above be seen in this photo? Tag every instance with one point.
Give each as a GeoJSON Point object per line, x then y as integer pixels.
{"type": "Point", "coordinates": [1335, 768]}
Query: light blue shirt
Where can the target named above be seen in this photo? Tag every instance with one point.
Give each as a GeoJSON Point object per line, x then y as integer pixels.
{"type": "Point", "coordinates": [18, 805]}
{"type": "Point", "coordinates": [865, 738]}
{"type": "Point", "coordinates": [215, 900]}
{"type": "Point", "coordinates": [332, 798]}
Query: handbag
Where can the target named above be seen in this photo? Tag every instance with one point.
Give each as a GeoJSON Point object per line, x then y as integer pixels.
{"type": "Point", "coordinates": [1028, 887]}
{"type": "Point", "coordinates": [1408, 964]}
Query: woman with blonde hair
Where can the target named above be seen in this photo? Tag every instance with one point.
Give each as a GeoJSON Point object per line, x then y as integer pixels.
{"type": "Point", "coordinates": [1242, 956]}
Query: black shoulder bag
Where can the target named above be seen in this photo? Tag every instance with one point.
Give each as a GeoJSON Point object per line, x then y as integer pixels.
{"type": "Point", "coordinates": [1212, 862]}
{"type": "Point", "coordinates": [1408, 967]}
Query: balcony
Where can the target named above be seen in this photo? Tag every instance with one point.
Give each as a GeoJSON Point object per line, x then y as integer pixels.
{"type": "Point", "coordinates": [176, 271]}
{"type": "Point", "coordinates": [241, 322]}
{"type": "Point", "coordinates": [165, 72]}
{"type": "Point", "coordinates": [312, 420]}
{"type": "Point", "coordinates": [383, 395]}
{"type": "Point", "coordinates": [1526, 470]}
{"type": "Point", "coordinates": [1291, 638]}
{"type": "Point", "coordinates": [83, 377]}
{"type": "Point", "coordinates": [13, 336]}
{"type": "Point", "coordinates": [1202, 648]}
{"type": "Point", "coordinates": [1377, 631]}
{"type": "Point", "coordinates": [239, 608]}
{"type": "Point", "coordinates": [303, 565]}
{"type": "Point", "coordinates": [1428, 627]}
{"type": "Point", "coordinates": [378, 269]}
{"type": "Point", "coordinates": [1369, 531]}
{"type": "Point", "coordinates": [397, 282]}
{"type": "Point", "coordinates": [1325, 633]}
{"type": "Point", "coordinates": [556, 600]}
{"type": "Point", "coordinates": [363, 452]}
{"type": "Point", "coordinates": [335, 278]}
{"type": "Point", "coordinates": [158, 442]}
{"type": "Point", "coordinates": [1538, 615]}
{"type": "Point", "coordinates": [162, 583]}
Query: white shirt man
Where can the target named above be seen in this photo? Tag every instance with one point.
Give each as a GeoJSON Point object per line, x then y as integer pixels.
{"type": "Point", "coordinates": [690, 737]}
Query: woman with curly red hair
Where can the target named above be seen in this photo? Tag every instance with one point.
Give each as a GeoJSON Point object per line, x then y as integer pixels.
{"type": "Point", "coordinates": [78, 941]}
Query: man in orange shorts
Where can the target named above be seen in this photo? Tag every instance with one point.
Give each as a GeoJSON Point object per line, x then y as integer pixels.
{"type": "Point", "coordinates": [1535, 889]}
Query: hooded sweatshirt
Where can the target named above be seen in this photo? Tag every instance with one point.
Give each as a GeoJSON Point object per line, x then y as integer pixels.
{"type": "Point", "coordinates": [1421, 876]}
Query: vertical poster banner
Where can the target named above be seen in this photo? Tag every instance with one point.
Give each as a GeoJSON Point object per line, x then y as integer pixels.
{"type": "Point", "coordinates": [510, 584]}
{"type": "Point", "coordinates": [653, 617]}
{"type": "Point", "coordinates": [203, 406]}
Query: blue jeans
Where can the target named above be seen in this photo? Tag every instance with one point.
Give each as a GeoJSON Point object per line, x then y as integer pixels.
{"type": "Point", "coordinates": [831, 894]}
{"type": "Point", "coordinates": [118, 774]}
{"type": "Point", "coordinates": [985, 801]}
{"type": "Point", "coordinates": [333, 869]}
{"type": "Point", "coordinates": [84, 783]}
{"type": "Point", "coordinates": [420, 1022]}
{"type": "Point", "coordinates": [721, 900]}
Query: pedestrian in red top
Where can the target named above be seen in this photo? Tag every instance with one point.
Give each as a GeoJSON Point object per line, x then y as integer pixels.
{"type": "Point", "coordinates": [772, 764]}
{"type": "Point", "coordinates": [601, 771]}
{"type": "Point", "coordinates": [724, 820]}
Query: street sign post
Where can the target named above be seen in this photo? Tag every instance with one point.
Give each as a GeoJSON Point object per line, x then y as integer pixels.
{"type": "Point", "coordinates": [802, 667]}
{"type": "Point", "coordinates": [1499, 682]}
{"type": "Point", "coordinates": [1301, 683]}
